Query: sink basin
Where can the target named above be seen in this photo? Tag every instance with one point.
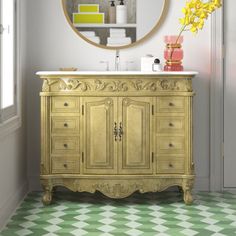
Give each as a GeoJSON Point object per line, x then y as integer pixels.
{"type": "Point", "coordinates": [43, 73]}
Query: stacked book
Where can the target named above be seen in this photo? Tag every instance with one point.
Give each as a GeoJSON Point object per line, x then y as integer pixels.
{"type": "Point", "coordinates": [90, 35]}
{"type": "Point", "coordinates": [88, 14]}
{"type": "Point", "coordinates": [118, 38]}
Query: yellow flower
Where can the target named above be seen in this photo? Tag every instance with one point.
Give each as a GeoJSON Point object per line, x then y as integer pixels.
{"type": "Point", "coordinates": [195, 12]}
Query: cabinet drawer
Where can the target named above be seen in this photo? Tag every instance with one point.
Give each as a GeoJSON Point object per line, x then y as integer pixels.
{"type": "Point", "coordinates": [171, 145]}
{"type": "Point", "coordinates": [170, 104]}
{"type": "Point", "coordinates": [170, 124]}
{"type": "Point", "coordinates": [67, 165]}
{"type": "Point", "coordinates": [65, 125]}
{"type": "Point", "coordinates": [170, 166]}
{"type": "Point", "coordinates": [65, 145]}
{"type": "Point", "coordinates": [65, 104]}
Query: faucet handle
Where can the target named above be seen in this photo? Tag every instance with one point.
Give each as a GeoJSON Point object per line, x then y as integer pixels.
{"type": "Point", "coordinates": [117, 61]}
{"type": "Point", "coordinates": [127, 63]}
{"type": "Point", "coordinates": [107, 64]}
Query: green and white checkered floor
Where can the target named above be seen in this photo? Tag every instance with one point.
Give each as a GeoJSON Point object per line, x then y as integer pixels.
{"type": "Point", "coordinates": [141, 214]}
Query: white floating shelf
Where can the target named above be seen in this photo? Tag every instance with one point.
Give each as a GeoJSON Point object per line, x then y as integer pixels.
{"type": "Point", "coordinates": [105, 25]}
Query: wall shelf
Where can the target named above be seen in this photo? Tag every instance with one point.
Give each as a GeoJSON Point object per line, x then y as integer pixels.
{"type": "Point", "coordinates": [105, 25]}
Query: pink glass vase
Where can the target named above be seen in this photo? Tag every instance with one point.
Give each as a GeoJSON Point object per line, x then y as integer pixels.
{"type": "Point", "coordinates": [173, 53]}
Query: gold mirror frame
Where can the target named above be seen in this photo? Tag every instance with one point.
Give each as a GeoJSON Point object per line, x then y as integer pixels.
{"type": "Point", "coordinates": [147, 36]}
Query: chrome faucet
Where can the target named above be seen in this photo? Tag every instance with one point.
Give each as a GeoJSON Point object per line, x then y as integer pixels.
{"type": "Point", "coordinates": [117, 61]}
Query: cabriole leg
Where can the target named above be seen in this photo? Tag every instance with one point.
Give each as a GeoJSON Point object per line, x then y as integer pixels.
{"type": "Point", "coordinates": [187, 188]}
{"type": "Point", "coordinates": [47, 196]}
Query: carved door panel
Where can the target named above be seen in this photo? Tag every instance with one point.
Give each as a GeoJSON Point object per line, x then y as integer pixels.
{"type": "Point", "coordinates": [135, 141]}
{"type": "Point", "coordinates": [98, 126]}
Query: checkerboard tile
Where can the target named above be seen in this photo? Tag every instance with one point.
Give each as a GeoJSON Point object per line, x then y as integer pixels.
{"type": "Point", "coordinates": [150, 214]}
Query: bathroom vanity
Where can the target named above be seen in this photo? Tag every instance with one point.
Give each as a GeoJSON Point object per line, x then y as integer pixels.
{"type": "Point", "coordinates": [116, 132]}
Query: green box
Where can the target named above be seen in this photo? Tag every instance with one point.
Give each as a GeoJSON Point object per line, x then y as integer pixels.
{"type": "Point", "coordinates": [88, 8]}
{"type": "Point", "coordinates": [88, 18]}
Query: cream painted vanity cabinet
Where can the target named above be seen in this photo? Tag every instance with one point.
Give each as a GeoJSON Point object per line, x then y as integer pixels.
{"type": "Point", "coordinates": [116, 132]}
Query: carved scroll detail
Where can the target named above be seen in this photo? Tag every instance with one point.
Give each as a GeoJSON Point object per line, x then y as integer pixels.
{"type": "Point", "coordinates": [73, 84]}
{"type": "Point", "coordinates": [163, 84]}
{"type": "Point", "coordinates": [141, 85]}
{"type": "Point", "coordinates": [121, 188]}
{"type": "Point", "coordinates": [122, 85]}
{"type": "Point", "coordinates": [116, 190]}
{"type": "Point", "coordinates": [47, 83]}
{"type": "Point", "coordinates": [111, 86]}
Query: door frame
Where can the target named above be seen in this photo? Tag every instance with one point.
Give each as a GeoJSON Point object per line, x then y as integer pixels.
{"type": "Point", "coordinates": [217, 101]}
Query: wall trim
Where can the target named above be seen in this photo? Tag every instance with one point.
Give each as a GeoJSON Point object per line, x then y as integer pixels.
{"type": "Point", "coordinates": [217, 102]}
{"type": "Point", "coordinates": [9, 207]}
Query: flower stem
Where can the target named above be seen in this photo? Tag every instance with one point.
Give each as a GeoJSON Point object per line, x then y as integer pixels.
{"type": "Point", "coordinates": [181, 31]}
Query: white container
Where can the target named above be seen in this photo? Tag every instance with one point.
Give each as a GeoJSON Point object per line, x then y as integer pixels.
{"type": "Point", "coordinates": [147, 62]}
{"type": "Point", "coordinates": [112, 13]}
{"type": "Point", "coordinates": [156, 66]}
{"type": "Point", "coordinates": [121, 14]}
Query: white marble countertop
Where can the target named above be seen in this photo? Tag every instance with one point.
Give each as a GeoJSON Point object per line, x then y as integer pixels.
{"type": "Point", "coordinates": [64, 73]}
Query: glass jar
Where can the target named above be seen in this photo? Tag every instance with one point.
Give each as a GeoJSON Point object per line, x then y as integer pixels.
{"type": "Point", "coordinates": [173, 53]}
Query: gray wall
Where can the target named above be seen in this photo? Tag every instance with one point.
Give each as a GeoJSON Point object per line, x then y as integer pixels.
{"type": "Point", "coordinates": [52, 44]}
{"type": "Point", "coordinates": [13, 174]}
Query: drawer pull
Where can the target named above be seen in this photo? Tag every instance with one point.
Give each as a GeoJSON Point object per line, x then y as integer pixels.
{"type": "Point", "coordinates": [171, 104]}
{"type": "Point", "coordinates": [66, 104]}
{"type": "Point", "coordinates": [171, 145]}
{"type": "Point", "coordinates": [170, 165]}
{"type": "Point", "coordinates": [66, 145]}
{"type": "Point", "coordinates": [65, 125]}
{"type": "Point", "coordinates": [171, 124]}
{"type": "Point", "coordinates": [65, 165]}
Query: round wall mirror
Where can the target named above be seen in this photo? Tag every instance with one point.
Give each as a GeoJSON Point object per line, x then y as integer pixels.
{"type": "Point", "coordinates": [115, 24]}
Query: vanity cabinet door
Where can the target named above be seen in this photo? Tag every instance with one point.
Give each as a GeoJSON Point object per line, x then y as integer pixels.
{"type": "Point", "coordinates": [99, 150]}
{"type": "Point", "coordinates": [135, 141]}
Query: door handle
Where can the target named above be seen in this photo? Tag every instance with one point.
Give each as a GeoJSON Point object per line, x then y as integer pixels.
{"type": "Point", "coordinates": [115, 132]}
{"type": "Point", "coordinates": [2, 29]}
{"type": "Point", "coordinates": [121, 132]}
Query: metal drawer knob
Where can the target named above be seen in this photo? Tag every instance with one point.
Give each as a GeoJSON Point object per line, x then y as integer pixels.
{"type": "Point", "coordinates": [171, 124]}
{"type": "Point", "coordinates": [65, 125]}
{"type": "Point", "coordinates": [171, 145]}
{"type": "Point", "coordinates": [170, 165]}
{"type": "Point", "coordinates": [65, 165]}
{"type": "Point", "coordinates": [171, 104]}
{"type": "Point", "coordinates": [66, 145]}
{"type": "Point", "coordinates": [66, 104]}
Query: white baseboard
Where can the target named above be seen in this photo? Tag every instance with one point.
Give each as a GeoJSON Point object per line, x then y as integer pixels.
{"type": "Point", "coordinates": [201, 184]}
{"type": "Point", "coordinates": [10, 206]}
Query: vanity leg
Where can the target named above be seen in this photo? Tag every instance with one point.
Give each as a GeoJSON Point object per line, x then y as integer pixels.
{"type": "Point", "coordinates": [47, 196]}
{"type": "Point", "coordinates": [187, 188]}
